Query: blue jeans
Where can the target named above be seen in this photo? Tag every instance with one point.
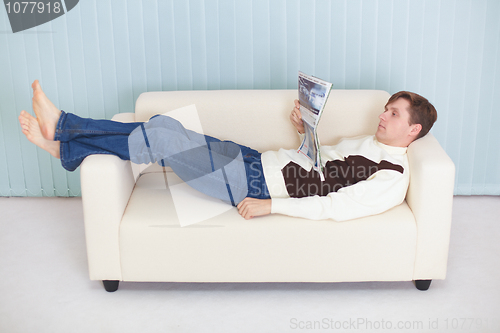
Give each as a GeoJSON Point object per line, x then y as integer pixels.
{"type": "Point", "coordinates": [221, 169]}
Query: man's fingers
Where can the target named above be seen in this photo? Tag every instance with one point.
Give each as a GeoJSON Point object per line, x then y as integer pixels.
{"type": "Point", "coordinates": [245, 213]}
{"type": "Point", "coordinates": [297, 113]}
{"type": "Point", "coordinates": [297, 103]}
{"type": "Point", "coordinates": [243, 208]}
{"type": "Point", "coordinates": [296, 117]}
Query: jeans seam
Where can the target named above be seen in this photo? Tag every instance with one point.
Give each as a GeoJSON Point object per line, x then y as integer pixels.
{"type": "Point", "coordinates": [85, 155]}
{"type": "Point", "coordinates": [58, 131]}
{"type": "Point", "coordinates": [72, 131]}
{"type": "Point", "coordinates": [61, 155]}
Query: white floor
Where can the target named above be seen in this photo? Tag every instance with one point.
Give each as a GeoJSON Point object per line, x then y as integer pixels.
{"type": "Point", "coordinates": [44, 286]}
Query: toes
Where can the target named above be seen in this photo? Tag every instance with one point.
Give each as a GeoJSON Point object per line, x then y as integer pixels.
{"type": "Point", "coordinates": [22, 120]}
{"type": "Point", "coordinates": [25, 116]}
{"type": "Point", "coordinates": [27, 121]}
{"type": "Point", "coordinates": [29, 116]}
{"type": "Point", "coordinates": [37, 95]}
{"type": "Point", "coordinates": [25, 126]}
{"type": "Point", "coordinates": [35, 85]}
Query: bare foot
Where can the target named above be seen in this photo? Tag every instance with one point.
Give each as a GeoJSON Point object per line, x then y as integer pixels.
{"type": "Point", "coordinates": [46, 112]}
{"type": "Point", "coordinates": [31, 129]}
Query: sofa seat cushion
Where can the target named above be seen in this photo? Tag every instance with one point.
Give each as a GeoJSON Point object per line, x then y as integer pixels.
{"type": "Point", "coordinates": [227, 248]}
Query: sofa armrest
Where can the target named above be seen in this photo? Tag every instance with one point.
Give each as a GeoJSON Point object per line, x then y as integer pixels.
{"type": "Point", "coordinates": [128, 117]}
{"type": "Point", "coordinates": [430, 197]}
{"type": "Point", "coordinates": [107, 183]}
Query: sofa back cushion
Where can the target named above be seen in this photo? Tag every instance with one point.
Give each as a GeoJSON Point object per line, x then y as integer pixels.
{"type": "Point", "coordinates": [260, 118]}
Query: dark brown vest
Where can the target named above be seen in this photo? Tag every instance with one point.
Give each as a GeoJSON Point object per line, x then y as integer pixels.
{"type": "Point", "coordinates": [355, 168]}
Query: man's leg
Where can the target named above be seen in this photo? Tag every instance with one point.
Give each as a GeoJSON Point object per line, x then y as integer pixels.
{"type": "Point", "coordinates": [81, 137]}
{"type": "Point", "coordinates": [69, 137]}
{"type": "Point", "coordinates": [209, 165]}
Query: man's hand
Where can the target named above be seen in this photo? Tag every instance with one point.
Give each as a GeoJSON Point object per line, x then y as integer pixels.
{"type": "Point", "coordinates": [296, 117]}
{"type": "Point", "coordinates": [251, 207]}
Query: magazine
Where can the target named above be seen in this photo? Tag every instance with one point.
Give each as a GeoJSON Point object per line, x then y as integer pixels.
{"type": "Point", "coordinates": [313, 93]}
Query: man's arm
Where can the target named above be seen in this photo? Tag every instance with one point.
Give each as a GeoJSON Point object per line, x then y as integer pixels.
{"type": "Point", "coordinates": [369, 197]}
{"type": "Point", "coordinates": [376, 195]}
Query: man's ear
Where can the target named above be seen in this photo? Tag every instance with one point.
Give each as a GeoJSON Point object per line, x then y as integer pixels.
{"type": "Point", "coordinates": [415, 130]}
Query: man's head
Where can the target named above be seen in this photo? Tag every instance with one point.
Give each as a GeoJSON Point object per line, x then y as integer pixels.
{"type": "Point", "coordinates": [407, 117]}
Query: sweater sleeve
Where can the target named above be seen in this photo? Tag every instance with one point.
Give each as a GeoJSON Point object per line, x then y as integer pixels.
{"type": "Point", "coordinates": [379, 193]}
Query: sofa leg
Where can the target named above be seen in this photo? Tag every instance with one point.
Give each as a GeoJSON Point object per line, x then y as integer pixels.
{"type": "Point", "coordinates": [423, 284]}
{"type": "Point", "coordinates": [110, 285]}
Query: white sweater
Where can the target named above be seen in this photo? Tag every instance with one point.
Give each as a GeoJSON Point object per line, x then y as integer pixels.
{"type": "Point", "coordinates": [379, 172]}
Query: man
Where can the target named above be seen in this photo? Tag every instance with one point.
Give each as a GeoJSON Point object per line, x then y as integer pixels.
{"type": "Point", "coordinates": [363, 176]}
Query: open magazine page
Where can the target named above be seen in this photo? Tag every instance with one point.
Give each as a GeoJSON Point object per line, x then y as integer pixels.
{"type": "Point", "coordinates": [313, 93]}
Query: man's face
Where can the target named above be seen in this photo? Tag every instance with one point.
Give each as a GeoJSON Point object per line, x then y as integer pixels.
{"type": "Point", "coordinates": [394, 128]}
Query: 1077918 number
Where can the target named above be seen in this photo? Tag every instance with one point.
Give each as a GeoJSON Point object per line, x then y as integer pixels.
{"type": "Point", "coordinates": [32, 7]}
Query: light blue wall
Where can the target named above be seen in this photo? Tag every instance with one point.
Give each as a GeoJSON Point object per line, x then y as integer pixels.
{"type": "Point", "coordinates": [98, 58]}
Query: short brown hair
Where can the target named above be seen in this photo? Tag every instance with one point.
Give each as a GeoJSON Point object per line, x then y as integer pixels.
{"type": "Point", "coordinates": [421, 110]}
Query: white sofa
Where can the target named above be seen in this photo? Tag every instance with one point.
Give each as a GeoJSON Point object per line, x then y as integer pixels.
{"type": "Point", "coordinates": [132, 227]}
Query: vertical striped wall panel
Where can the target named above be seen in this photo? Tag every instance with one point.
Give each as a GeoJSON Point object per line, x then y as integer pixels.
{"type": "Point", "coordinates": [98, 58]}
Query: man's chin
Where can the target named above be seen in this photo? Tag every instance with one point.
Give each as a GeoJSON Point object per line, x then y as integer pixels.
{"type": "Point", "coordinates": [381, 138]}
